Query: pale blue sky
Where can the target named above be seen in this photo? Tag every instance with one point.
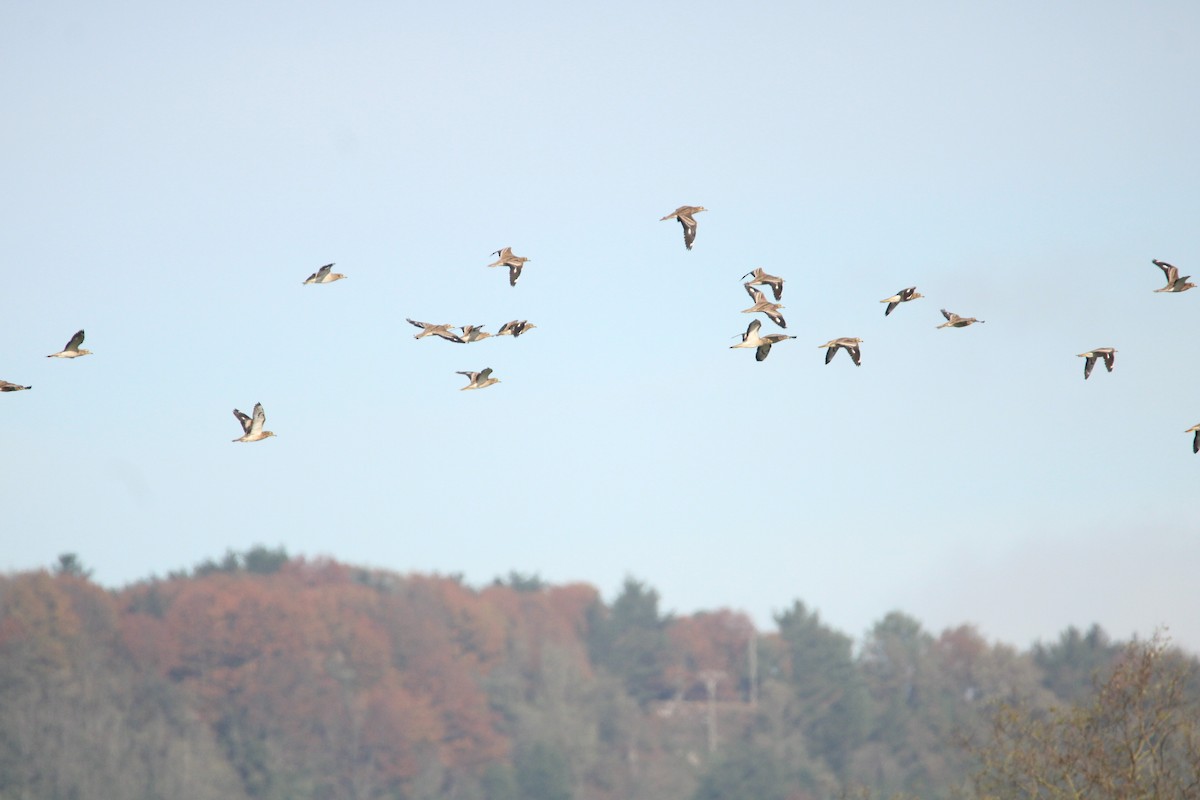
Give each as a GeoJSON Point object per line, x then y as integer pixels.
{"type": "Point", "coordinates": [173, 173]}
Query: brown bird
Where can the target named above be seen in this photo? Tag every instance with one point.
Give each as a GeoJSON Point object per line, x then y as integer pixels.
{"type": "Point", "coordinates": [252, 427]}
{"type": "Point", "coordinates": [849, 345]}
{"type": "Point", "coordinates": [902, 296]}
{"type": "Point", "coordinates": [429, 329]}
{"type": "Point", "coordinates": [761, 344]}
{"type": "Point", "coordinates": [514, 263]}
{"type": "Point", "coordinates": [955, 321]}
{"type": "Point", "coordinates": [479, 380]}
{"type": "Point", "coordinates": [1107, 353]}
{"type": "Point", "coordinates": [1174, 282]}
{"type": "Point", "coordinates": [323, 275]}
{"type": "Point", "coordinates": [687, 218]}
{"type": "Point", "coordinates": [515, 328]}
{"type": "Point", "coordinates": [473, 333]}
{"type": "Point", "coordinates": [761, 278]}
{"type": "Point", "coordinates": [72, 349]}
{"type": "Point", "coordinates": [5, 386]}
{"type": "Point", "coordinates": [761, 303]}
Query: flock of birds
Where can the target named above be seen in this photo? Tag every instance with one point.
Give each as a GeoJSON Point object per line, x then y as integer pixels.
{"type": "Point", "coordinates": [753, 338]}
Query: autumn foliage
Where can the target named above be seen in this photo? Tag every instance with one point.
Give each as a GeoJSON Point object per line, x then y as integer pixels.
{"type": "Point", "coordinates": [266, 677]}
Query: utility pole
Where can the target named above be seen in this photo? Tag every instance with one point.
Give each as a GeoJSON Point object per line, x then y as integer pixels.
{"type": "Point", "coordinates": [753, 657]}
{"type": "Point", "coordinates": [711, 678]}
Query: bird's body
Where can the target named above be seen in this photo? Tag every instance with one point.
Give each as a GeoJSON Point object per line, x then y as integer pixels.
{"type": "Point", "coordinates": [473, 333]}
{"type": "Point", "coordinates": [429, 329]}
{"type": "Point", "coordinates": [5, 386]}
{"type": "Point", "coordinates": [955, 321]}
{"type": "Point", "coordinates": [72, 350]}
{"type": "Point", "coordinates": [323, 275]}
{"type": "Point", "coordinates": [515, 328]}
{"type": "Point", "coordinates": [514, 263]}
{"type": "Point", "coordinates": [761, 278]}
{"type": "Point", "coordinates": [902, 296]}
{"type": "Point", "coordinates": [1174, 282]}
{"type": "Point", "coordinates": [252, 427]}
{"type": "Point", "coordinates": [687, 218]}
{"type": "Point", "coordinates": [851, 346]}
{"type": "Point", "coordinates": [761, 344]}
{"type": "Point", "coordinates": [1107, 353]}
{"type": "Point", "coordinates": [762, 304]}
{"type": "Point", "coordinates": [478, 380]}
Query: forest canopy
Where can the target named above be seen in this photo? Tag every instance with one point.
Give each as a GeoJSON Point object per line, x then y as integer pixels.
{"type": "Point", "coordinates": [259, 675]}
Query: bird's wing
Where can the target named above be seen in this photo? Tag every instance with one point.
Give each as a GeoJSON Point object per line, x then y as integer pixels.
{"type": "Point", "coordinates": [448, 336]}
{"type": "Point", "coordinates": [891, 307]}
{"type": "Point", "coordinates": [260, 419]}
{"type": "Point", "coordinates": [856, 354]}
{"type": "Point", "coordinates": [1196, 443]}
{"type": "Point", "coordinates": [323, 271]}
{"type": "Point", "coordinates": [514, 272]}
{"type": "Point", "coordinates": [776, 317]}
{"type": "Point", "coordinates": [753, 328]}
{"type": "Point", "coordinates": [1088, 363]}
{"type": "Point", "coordinates": [762, 352]}
{"type": "Point", "coordinates": [830, 352]}
{"type": "Point", "coordinates": [776, 285]}
{"type": "Point", "coordinates": [421, 325]}
{"type": "Point", "coordinates": [243, 419]}
{"type": "Point", "coordinates": [906, 294]}
{"type": "Point", "coordinates": [76, 340]}
{"type": "Point", "coordinates": [1166, 268]}
{"type": "Point", "coordinates": [483, 376]}
{"type": "Point", "coordinates": [1109, 360]}
{"type": "Point", "coordinates": [949, 317]}
{"type": "Point", "coordinates": [689, 229]}
{"type": "Point", "coordinates": [755, 294]}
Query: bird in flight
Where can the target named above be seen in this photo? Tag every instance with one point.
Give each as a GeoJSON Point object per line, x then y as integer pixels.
{"type": "Point", "coordinates": [5, 386]}
{"type": "Point", "coordinates": [429, 329]}
{"type": "Point", "coordinates": [1174, 282]}
{"type": "Point", "coordinates": [478, 380]}
{"type": "Point", "coordinates": [1107, 353]}
{"type": "Point", "coordinates": [851, 346]}
{"type": "Point", "coordinates": [761, 303]}
{"type": "Point", "coordinates": [514, 263]}
{"type": "Point", "coordinates": [72, 349]}
{"type": "Point", "coordinates": [902, 296]}
{"type": "Point", "coordinates": [252, 427]}
{"type": "Point", "coordinates": [955, 321]}
{"type": "Point", "coordinates": [761, 278]}
{"type": "Point", "coordinates": [323, 275]}
{"type": "Point", "coordinates": [761, 344]}
{"type": "Point", "coordinates": [515, 328]}
{"type": "Point", "coordinates": [687, 218]}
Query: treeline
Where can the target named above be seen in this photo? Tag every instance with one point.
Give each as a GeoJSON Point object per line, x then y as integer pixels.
{"type": "Point", "coordinates": [264, 676]}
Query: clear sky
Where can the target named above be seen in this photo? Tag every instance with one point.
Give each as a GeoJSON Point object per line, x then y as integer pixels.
{"type": "Point", "coordinates": [173, 172]}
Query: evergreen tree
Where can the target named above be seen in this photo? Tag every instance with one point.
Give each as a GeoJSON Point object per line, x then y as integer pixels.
{"type": "Point", "coordinates": [834, 706]}
{"type": "Point", "coordinates": [69, 564]}
{"type": "Point", "coordinates": [542, 773]}
{"type": "Point", "coordinates": [744, 773]}
{"type": "Point", "coordinates": [631, 641]}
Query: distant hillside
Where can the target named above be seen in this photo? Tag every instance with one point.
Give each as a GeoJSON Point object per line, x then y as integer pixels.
{"type": "Point", "coordinates": [261, 676]}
